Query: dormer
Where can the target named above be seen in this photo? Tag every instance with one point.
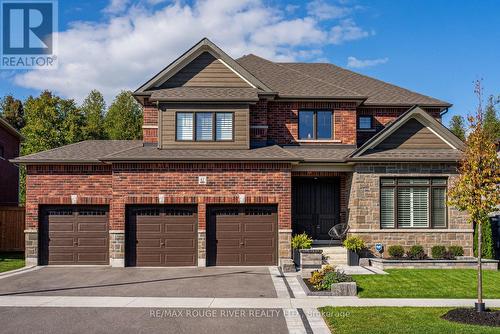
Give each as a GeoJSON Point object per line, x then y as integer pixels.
{"type": "Point", "coordinates": [200, 101]}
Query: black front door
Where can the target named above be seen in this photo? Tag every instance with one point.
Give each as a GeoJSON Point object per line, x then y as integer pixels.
{"type": "Point", "coordinates": [315, 205]}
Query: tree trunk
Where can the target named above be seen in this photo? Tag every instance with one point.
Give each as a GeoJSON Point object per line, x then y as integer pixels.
{"type": "Point", "coordinates": [479, 306]}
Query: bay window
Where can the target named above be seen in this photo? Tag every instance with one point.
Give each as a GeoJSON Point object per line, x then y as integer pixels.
{"type": "Point", "coordinates": [413, 203]}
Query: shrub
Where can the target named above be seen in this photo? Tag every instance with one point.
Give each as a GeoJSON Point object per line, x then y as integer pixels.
{"type": "Point", "coordinates": [354, 243]}
{"type": "Point", "coordinates": [416, 252]}
{"type": "Point", "coordinates": [332, 278]}
{"type": "Point", "coordinates": [438, 252]}
{"type": "Point", "coordinates": [456, 251]}
{"type": "Point", "coordinates": [318, 276]}
{"type": "Point", "coordinates": [301, 241]}
{"type": "Point", "coordinates": [396, 251]}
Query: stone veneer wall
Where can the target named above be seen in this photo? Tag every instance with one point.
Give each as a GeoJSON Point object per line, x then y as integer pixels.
{"type": "Point", "coordinates": [364, 209]}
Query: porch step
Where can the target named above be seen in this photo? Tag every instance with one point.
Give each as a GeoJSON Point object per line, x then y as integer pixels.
{"type": "Point", "coordinates": [334, 255]}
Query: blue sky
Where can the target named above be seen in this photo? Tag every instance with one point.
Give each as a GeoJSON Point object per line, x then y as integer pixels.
{"type": "Point", "coordinates": [435, 47]}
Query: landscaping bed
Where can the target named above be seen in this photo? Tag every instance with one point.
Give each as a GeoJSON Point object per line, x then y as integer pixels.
{"type": "Point", "coordinates": [470, 316]}
{"type": "Point", "coordinates": [459, 263]}
{"type": "Point", "coordinates": [11, 260]}
{"type": "Point", "coordinates": [381, 320]}
{"type": "Point", "coordinates": [328, 282]}
{"type": "Point", "coordinates": [428, 283]}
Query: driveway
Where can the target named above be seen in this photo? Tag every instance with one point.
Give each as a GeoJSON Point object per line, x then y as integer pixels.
{"type": "Point", "coordinates": [139, 320]}
{"type": "Point", "coordinates": [217, 282]}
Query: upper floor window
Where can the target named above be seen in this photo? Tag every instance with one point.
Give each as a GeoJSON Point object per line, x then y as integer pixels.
{"type": "Point", "coordinates": [365, 122]}
{"type": "Point", "coordinates": [315, 125]}
{"type": "Point", "coordinates": [413, 203]}
{"type": "Point", "coordinates": [204, 126]}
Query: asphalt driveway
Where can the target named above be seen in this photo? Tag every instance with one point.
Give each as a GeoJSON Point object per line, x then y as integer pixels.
{"type": "Point", "coordinates": [17, 320]}
{"type": "Point", "coordinates": [217, 282]}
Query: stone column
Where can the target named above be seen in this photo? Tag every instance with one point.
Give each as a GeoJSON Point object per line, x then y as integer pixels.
{"type": "Point", "coordinates": [31, 247]}
{"type": "Point", "coordinates": [202, 248]}
{"type": "Point", "coordinates": [285, 250]}
{"type": "Point", "coordinates": [117, 248]}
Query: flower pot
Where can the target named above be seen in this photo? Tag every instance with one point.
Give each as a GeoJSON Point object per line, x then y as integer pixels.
{"type": "Point", "coordinates": [352, 258]}
{"type": "Point", "coordinates": [296, 256]}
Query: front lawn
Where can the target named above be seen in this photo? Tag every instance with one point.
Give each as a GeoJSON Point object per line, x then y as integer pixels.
{"type": "Point", "coordinates": [11, 261]}
{"type": "Point", "coordinates": [428, 283]}
{"type": "Point", "coordinates": [414, 320]}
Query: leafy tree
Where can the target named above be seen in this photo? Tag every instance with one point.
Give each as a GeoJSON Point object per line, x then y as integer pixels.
{"type": "Point", "coordinates": [11, 109]}
{"type": "Point", "coordinates": [72, 122]}
{"type": "Point", "coordinates": [457, 126]}
{"type": "Point", "coordinates": [124, 118]}
{"type": "Point", "coordinates": [491, 118]}
{"type": "Point", "coordinates": [93, 109]}
{"type": "Point", "coordinates": [477, 189]}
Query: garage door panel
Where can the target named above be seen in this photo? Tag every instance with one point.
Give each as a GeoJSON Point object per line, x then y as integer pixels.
{"type": "Point", "coordinates": [242, 235]}
{"type": "Point", "coordinates": [163, 235]}
{"type": "Point", "coordinates": [61, 226]}
{"type": "Point", "coordinates": [74, 235]}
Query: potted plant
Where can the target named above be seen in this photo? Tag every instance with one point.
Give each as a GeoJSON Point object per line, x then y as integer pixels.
{"type": "Point", "coordinates": [354, 246]}
{"type": "Point", "coordinates": [300, 241]}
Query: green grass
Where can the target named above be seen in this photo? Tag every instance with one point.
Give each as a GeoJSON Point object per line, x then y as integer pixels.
{"type": "Point", "coordinates": [428, 283]}
{"type": "Point", "coordinates": [414, 320]}
{"type": "Point", "coordinates": [11, 261]}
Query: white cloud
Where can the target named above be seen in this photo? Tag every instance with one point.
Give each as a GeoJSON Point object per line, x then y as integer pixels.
{"type": "Point", "coordinates": [131, 46]}
{"type": "Point", "coordinates": [354, 62]}
{"type": "Point", "coordinates": [116, 6]}
{"type": "Point", "coordinates": [326, 11]}
{"type": "Point", "coordinates": [348, 30]}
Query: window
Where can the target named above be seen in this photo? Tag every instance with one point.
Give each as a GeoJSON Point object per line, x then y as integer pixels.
{"type": "Point", "coordinates": [204, 126]}
{"type": "Point", "coordinates": [315, 125]}
{"type": "Point", "coordinates": [365, 122]}
{"type": "Point", "coordinates": [413, 202]}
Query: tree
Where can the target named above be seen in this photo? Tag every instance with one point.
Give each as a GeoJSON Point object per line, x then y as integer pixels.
{"type": "Point", "coordinates": [457, 126]}
{"type": "Point", "coordinates": [477, 189]}
{"type": "Point", "coordinates": [491, 119]}
{"type": "Point", "coordinates": [11, 109]}
{"type": "Point", "coordinates": [124, 118]}
{"type": "Point", "coordinates": [93, 109]}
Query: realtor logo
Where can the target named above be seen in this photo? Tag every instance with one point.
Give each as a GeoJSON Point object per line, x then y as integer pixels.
{"type": "Point", "coordinates": [27, 37]}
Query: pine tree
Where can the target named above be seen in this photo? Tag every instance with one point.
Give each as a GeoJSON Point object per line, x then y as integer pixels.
{"type": "Point", "coordinates": [457, 126]}
{"type": "Point", "coordinates": [93, 109]}
{"type": "Point", "coordinates": [11, 109]}
{"type": "Point", "coordinates": [124, 118]}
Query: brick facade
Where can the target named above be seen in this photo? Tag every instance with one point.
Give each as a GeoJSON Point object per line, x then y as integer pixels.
{"type": "Point", "coordinates": [150, 124]}
{"type": "Point", "coordinates": [9, 173]}
{"type": "Point", "coordinates": [364, 209]}
{"type": "Point", "coordinates": [127, 184]}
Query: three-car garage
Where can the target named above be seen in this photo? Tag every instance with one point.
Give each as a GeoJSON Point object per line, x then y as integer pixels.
{"type": "Point", "coordinates": [160, 235]}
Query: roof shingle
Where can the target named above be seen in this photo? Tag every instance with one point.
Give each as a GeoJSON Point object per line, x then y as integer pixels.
{"type": "Point", "coordinates": [205, 94]}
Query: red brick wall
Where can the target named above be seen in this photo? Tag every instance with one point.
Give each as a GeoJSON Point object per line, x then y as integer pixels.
{"type": "Point", "coordinates": [282, 119]}
{"type": "Point", "coordinates": [268, 183]}
{"type": "Point", "coordinates": [9, 173]}
{"type": "Point", "coordinates": [150, 125]}
{"type": "Point", "coordinates": [55, 185]}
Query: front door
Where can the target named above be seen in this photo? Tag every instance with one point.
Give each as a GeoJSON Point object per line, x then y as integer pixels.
{"type": "Point", "coordinates": [315, 205]}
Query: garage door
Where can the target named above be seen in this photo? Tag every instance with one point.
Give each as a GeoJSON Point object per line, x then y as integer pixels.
{"type": "Point", "coordinates": [161, 236]}
{"type": "Point", "coordinates": [242, 236]}
{"type": "Point", "coordinates": [74, 235]}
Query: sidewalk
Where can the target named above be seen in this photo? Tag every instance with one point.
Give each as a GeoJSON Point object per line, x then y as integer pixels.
{"type": "Point", "coordinates": [282, 303]}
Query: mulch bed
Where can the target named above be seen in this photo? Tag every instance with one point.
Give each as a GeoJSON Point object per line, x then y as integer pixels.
{"type": "Point", "coordinates": [471, 317]}
{"type": "Point", "coordinates": [310, 286]}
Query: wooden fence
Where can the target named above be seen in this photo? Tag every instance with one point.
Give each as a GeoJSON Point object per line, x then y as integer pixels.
{"type": "Point", "coordinates": [11, 229]}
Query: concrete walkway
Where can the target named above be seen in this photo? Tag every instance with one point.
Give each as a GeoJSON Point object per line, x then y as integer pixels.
{"type": "Point", "coordinates": [257, 303]}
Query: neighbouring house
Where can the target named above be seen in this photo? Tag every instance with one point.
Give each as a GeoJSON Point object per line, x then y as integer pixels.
{"type": "Point", "coordinates": [240, 154]}
{"type": "Point", "coordinates": [10, 141]}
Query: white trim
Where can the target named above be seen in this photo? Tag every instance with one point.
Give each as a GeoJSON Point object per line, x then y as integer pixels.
{"type": "Point", "coordinates": [234, 71]}
{"type": "Point", "coordinates": [434, 132]}
{"type": "Point", "coordinates": [411, 230]}
{"type": "Point", "coordinates": [150, 126]}
{"type": "Point", "coordinates": [284, 231]}
{"type": "Point", "coordinates": [116, 231]}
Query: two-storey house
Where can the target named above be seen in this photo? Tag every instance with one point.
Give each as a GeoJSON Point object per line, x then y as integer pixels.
{"type": "Point", "coordinates": [240, 154]}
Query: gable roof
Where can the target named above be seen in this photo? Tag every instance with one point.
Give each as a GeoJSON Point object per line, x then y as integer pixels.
{"type": "Point", "coordinates": [454, 150]}
{"type": "Point", "coordinates": [9, 128]}
{"type": "Point", "coordinates": [205, 45]}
